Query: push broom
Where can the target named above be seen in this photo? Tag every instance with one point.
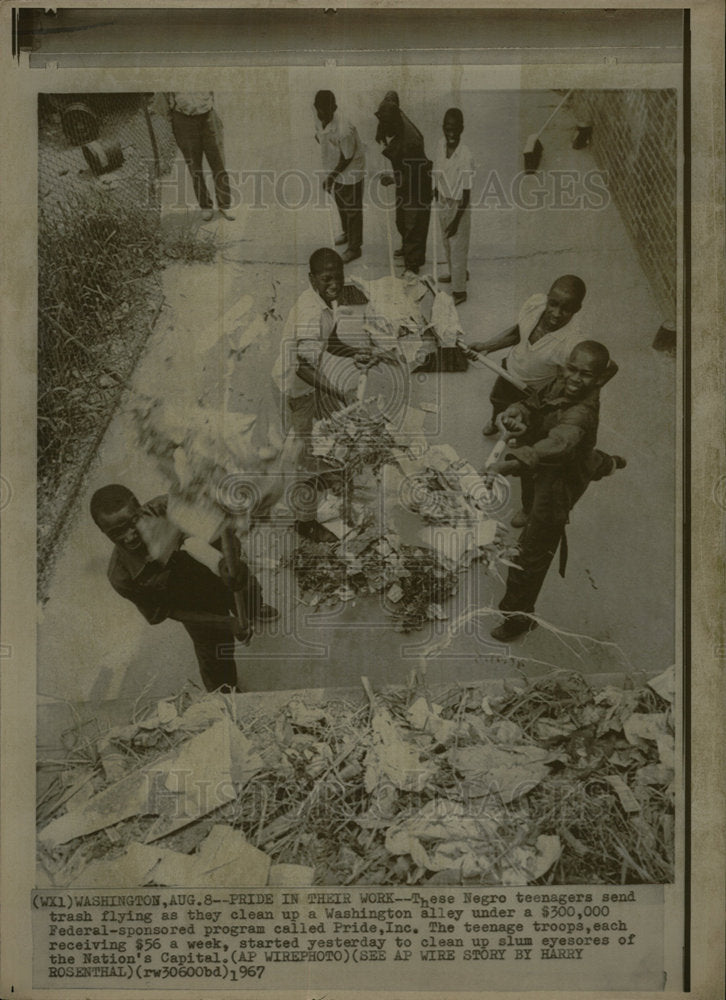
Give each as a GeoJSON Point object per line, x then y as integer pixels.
{"type": "Point", "coordinates": [533, 148]}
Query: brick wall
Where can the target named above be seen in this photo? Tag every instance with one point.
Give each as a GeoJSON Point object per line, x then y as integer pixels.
{"type": "Point", "coordinates": [635, 140]}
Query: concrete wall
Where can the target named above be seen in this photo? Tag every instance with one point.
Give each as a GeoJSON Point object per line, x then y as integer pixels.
{"type": "Point", "coordinates": [635, 139]}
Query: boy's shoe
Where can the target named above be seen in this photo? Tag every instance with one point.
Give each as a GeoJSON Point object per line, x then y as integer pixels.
{"type": "Point", "coordinates": [350, 255]}
{"type": "Point", "coordinates": [207, 214]}
{"type": "Point", "coordinates": [459, 298]}
{"type": "Point", "coordinates": [489, 429]}
{"type": "Point", "coordinates": [520, 519]}
{"type": "Point", "coordinates": [511, 627]}
{"type": "Point", "coordinates": [446, 278]}
{"type": "Point", "coordinates": [341, 240]}
{"type": "Point", "coordinates": [229, 216]}
{"type": "Point", "coordinates": [398, 253]}
{"type": "Point", "coordinates": [266, 613]}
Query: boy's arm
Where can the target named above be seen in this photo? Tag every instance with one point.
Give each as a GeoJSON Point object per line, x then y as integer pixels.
{"type": "Point", "coordinates": [558, 444]}
{"type": "Point", "coordinates": [336, 171]}
{"type": "Point", "coordinates": [507, 338]}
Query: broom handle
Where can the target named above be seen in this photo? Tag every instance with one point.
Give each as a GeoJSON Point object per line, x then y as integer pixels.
{"type": "Point", "coordinates": [230, 557]}
{"type": "Point", "coordinates": [331, 224]}
{"type": "Point", "coordinates": [502, 372]}
{"type": "Point", "coordinates": [496, 453]}
{"type": "Point", "coordinates": [435, 220]}
{"type": "Point", "coordinates": [553, 114]}
{"type": "Point", "coordinates": [391, 260]}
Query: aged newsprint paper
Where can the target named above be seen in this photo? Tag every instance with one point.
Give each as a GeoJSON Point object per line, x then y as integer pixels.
{"type": "Point", "coordinates": [362, 500]}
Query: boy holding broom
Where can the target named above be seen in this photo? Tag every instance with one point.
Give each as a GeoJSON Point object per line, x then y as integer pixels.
{"type": "Point", "coordinates": [541, 341]}
{"type": "Point", "coordinates": [553, 450]}
{"type": "Point", "coordinates": [453, 172]}
{"type": "Point", "coordinates": [344, 163]}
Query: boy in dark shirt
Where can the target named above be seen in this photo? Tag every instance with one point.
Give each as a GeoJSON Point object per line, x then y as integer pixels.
{"type": "Point", "coordinates": [412, 177]}
{"type": "Point", "coordinates": [555, 433]}
{"type": "Point", "coordinates": [179, 586]}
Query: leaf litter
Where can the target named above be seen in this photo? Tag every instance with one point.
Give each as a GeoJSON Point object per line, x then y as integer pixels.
{"type": "Point", "coordinates": [543, 783]}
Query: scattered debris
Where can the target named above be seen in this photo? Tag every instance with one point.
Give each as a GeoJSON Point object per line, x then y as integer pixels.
{"type": "Point", "coordinates": [547, 781]}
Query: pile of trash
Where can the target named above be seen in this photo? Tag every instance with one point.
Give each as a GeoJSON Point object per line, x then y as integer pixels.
{"type": "Point", "coordinates": [395, 523]}
{"type": "Point", "coordinates": [413, 582]}
{"type": "Point", "coordinates": [548, 781]}
{"type": "Point", "coordinates": [357, 438]}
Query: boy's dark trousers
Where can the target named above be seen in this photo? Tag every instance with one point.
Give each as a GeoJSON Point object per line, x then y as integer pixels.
{"type": "Point", "coordinates": [503, 394]}
{"type": "Point", "coordinates": [349, 199]}
{"type": "Point", "coordinates": [412, 222]}
{"type": "Point", "coordinates": [548, 496]}
{"type": "Point", "coordinates": [214, 643]}
{"type": "Point", "coordinates": [198, 136]}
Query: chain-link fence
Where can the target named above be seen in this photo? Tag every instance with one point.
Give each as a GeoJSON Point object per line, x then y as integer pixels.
{"type": "Point", "coordinates": [99, 160]}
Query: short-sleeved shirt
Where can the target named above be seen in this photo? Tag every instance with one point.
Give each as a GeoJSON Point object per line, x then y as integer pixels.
{"type": "Point", "coordinates": [183, 584]}
{"type": "Point", "coordinates": [537, 363]}
{"type": "Point", "coordinates": [453, 175]}
{"type": "Point", "coordinates": [340, 137]}
{"type": "Point", "coordinates": [307, 329]}
{"type": "Point", "coordinates": [191, 102]}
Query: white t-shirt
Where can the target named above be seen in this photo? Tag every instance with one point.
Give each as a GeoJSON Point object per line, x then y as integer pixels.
{"type": "Point", "coordinates": [305, 334]}
{"type": "Point", "coordinates": [537, 363]}
{"type": "Point", "coordinates": [341, 137]}
{"type": "Point", "coordinates": [453, 175]}
{"type": "Point", "coordinates": [192, 102]}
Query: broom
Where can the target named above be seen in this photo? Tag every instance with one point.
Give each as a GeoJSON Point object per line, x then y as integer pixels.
{"type": "Point", "coordinates": [533, 148]}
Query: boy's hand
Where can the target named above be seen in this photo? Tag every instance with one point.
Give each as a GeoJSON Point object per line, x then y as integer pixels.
{"type": "Point", "coordinates": [387, 180]}
{"type": "Point", "coordinates": [451, 230]}
{"type": "Point", "coordinates": [328, 183]}
{"type": "Point", "coordinates": [242, 631]}
{"type": "Point", "coordinates": [226, 575]}
{"type": "Point", "coordinates": [364, 358]}
{"type": "Point", "coordinates": [504, 467]}
{"type": "Point", "coordinates": [511, 421]}
{"type": "Point", "coordinates": [479, 346]}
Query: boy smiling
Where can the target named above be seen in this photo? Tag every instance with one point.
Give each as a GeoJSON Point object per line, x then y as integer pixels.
{"type": "Point", "coordinates": [545, 333]}
{"type": "Point", "coordinates": [553, 451]}
{"type": "Point", "coordinates": [453, 172]}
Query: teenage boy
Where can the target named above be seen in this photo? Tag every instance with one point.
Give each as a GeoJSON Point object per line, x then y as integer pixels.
{"type": "Point", "coordinates": [453, 172]}
{"type": "Point", "coordinates": [178, 586]}
{"type": "Point", "coordinates": [412, 177]}
{"type": "Point", "coordinates": [310, 330]}
{"type": "Point", "coordinates": [198, 133]}
{"type": "Point", "coordinates": [344, 163]}
{"type": "Point", "coordinates": [541, 342]}
{"type": "Point", "coordinates": [555, 433]}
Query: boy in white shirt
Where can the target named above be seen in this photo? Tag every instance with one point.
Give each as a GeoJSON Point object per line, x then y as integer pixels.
{"type": "Point", "coordinates": [453, 172]}
{"type": "Point", "coordinates": [546, 332]}
{"type": "Point", "coordinates": [344, 166]}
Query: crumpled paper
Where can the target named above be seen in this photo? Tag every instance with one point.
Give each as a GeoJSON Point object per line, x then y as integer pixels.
{"type": "Point", "coordinates": [391, 758]}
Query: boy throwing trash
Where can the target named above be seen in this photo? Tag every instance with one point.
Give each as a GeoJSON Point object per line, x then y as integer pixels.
{"type": "Point", "coordinates": [552, 449]}
{"type": "Point", "coordinates": [453, 172]}
{"type": "Point", "coordinates": [176, 584]}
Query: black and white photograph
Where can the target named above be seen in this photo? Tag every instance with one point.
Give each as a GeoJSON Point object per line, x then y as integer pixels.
{"type": "Point", "coordinates": [362, 380]}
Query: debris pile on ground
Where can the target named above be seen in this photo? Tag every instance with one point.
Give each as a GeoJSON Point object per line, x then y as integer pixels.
{"type": "Point", "coordinates": [357, 438]}
{"type": "Point", "coordinates": [413, 582]}
{"type": "Point", "coordinates": [393, 524]}
{"type": "Point", "coordinates": [549, 781]}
